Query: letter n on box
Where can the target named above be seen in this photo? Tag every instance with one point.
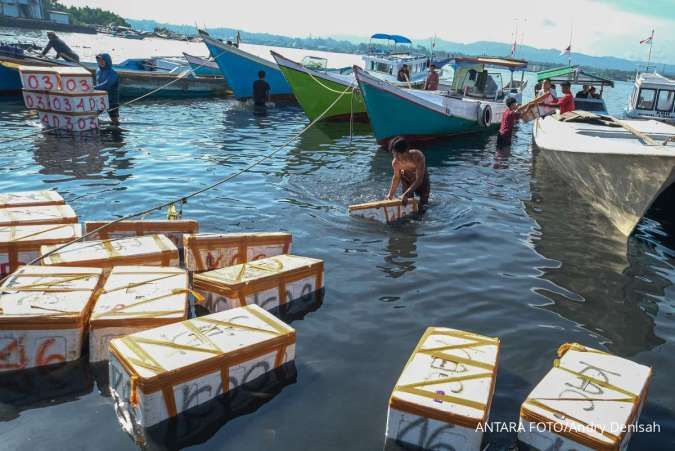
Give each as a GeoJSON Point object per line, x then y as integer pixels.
{"type": "Point", "coordinates": [445, 391]}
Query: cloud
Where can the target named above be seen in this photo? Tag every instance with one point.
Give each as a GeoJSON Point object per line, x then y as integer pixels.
{"type": "Point", "coordinates": [548, 23]}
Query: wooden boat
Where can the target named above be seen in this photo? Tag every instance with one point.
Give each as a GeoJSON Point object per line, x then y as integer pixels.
{"type": "Point", "coordinates": [423, 115]}
{"type": "Point", "coordinates": [10, 59]}
{"type": "Point", "coordinates": [317, 88]}
{"type": "Point", "coordinates": [241, 68]}
{"type": "Point", "coordinates": [577, 77]}
{"type": "Point", "coordinates": [653, 97]}
{"type": "Point", "coordinates": [620, 167]}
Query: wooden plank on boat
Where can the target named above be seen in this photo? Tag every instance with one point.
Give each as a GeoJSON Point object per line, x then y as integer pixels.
{"type": "Point", "coordinates": [643, 136]}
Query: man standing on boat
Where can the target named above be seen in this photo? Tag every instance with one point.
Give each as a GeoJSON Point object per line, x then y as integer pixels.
{"type": "Point", "coordinates": [410, 170]}
{"type": "Point", "coordinates": [61, 48]}
{"type": "Point", "coordinates": [566, 102]}
{"type": "Point", "coordinates": [261, 90]}
{"type": "Point", "coordinates": [431, 84]}
{"type": "Point", "coordinates": [107, 80]}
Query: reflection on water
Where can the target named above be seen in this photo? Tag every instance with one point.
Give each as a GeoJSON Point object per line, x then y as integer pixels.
{"type": "Point", "coordinates": [598, 293]}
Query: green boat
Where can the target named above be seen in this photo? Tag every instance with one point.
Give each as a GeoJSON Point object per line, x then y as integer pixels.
{"type": "Point", "coordinates": [316, 88]}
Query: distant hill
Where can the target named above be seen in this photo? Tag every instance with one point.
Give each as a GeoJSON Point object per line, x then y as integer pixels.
{"type": "Point", "coordinates": [358, 44]}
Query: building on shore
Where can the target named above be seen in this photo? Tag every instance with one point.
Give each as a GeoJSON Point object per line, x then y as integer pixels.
{"type": "Point", "coordinates": [36, 14]}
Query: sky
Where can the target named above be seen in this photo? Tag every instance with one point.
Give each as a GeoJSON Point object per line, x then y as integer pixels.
{"type": "Point", "coordinates": [599, 27]}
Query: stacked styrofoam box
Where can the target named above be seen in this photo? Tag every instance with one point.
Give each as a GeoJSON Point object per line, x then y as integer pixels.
{"type": "Point", "coordinates": [64, 97]}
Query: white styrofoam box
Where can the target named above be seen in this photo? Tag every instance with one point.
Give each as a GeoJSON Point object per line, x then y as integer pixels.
{"type": "Point", "coordinates": [75, 80]}
{"type": "Point", "coordinates": [156, 374]}
{"type": "Point", "coordinates": [37, 215]}
{"type": "Point", "coordinates": [151, 250]}
{"type": "Point", "coordinates": [44, 314]}
{"type": "Point", "coordinates": [74, 122]}
{"type": "Point", "coordinates": [589, 400]}
{"type": "Point", "coordinates": [172, 229]}
{"type": "Point", "coordinates": [89, 102]}
{"type": "Point", "coordinates": [385, 210]}
{"type": "Point", "coordinates": [38, 78]}
{"type": "Point", "coordinates": [36, 100]}
{"type": "Point", "coordinates": [208, 251]}
{"type": "Point", "coordinates": [135, 298]}
{"type": "Point", "coordinates": [270, 283]}
{"type": "Point", "coordinates": [30, 199]}
{"type": "Point", "coordinates": [20, 245]}
{"type": "Point", "coordinates": [445, 391]}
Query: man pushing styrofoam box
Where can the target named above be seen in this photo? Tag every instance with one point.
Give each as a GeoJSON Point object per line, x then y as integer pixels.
{"type": "Point", "coordinates": [44, 310]}
{"type": "Point", "coordinates": [444, 393]}
{"type": "Point", "coordinates": [270, 283]}
{"type": "Point", "coordinates": [385, 210]}
{"type": "Point", "coordinates": [208, 251]}
{"type": "Point", "coordinates": [589, 400]}
{"type": "Point", "coordinates": [155, 374]}
{"type": "Point", "coordinates": [135, 298]}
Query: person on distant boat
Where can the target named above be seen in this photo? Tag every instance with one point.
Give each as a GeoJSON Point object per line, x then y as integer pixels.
{"type": "Point", "coordinates": [107, 80]}
{"type": "Point", "coordinates": [61, 48]}
{"type": "Point", "coordinates": [261, 90]}
{"type": "Point", "coordinates": [585, 93]}
{"type": "Point", "coordinates": [546, 98]}
{"type": "Point", "coordinates": [410, 171]}
{"type": "Point", "coordinates": [403, 74]}
{"type": "Point", "coordinates": [566, 102]}
{"type": "Point", "coordinates": [238, 41]}
{"type": "Point", "coordinates": [509, 119]}
{"type": "Point", "coordinates": [431, 84]}
{"type": "Point", "coordinates": [537, 88]}
{"type": "Point", "coordinates": [593, 94]}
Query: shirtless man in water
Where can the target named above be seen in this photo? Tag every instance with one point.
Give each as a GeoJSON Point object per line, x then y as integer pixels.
{"type": "Point", "coordinates": [410, 169]}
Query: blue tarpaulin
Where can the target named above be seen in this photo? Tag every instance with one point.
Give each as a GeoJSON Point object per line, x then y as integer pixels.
{"type": "Point", "coordinates": [392, 37]}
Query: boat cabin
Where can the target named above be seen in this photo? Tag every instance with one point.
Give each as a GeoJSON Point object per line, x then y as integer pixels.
{"type": "Point", "coordinates": [653, 97]}
{"type": "Point", "coordinates": [578, 78]}
{"type": "Point", "coordinates": [472, 78]}
{"type": "Point", "coordinates": [386, 63]}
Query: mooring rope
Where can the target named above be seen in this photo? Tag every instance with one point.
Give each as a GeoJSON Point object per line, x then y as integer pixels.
{"type": "Point", "coordinates": [183, 199]}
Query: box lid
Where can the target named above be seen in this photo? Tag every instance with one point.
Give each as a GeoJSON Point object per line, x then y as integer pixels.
{"type": "Point", "coordinates": [144, 227]}
{"type": "Point", "coordinates": [30, 198]}
{"type": "Point", "coordinates": [143, 295]}
{"type": "Point", "coordinates": [450, 377]}
{"type": "Point", "coordinates": [257, 271]}
{"type": "Point", "coordinates": [168, 354]}
{"type": "Point", "coordinates": [591, 393]}
{"type": "Point", "coordinates": [109, 252]}
{"type": "Point", "coordinates": [250, 238]}
{"type": "Point", "coordinates": [73, 70]}
{"type": "Point", "coordinates": [43, 214]}
{"type": "Point", "coordinates": [30, 236]}
{"type": "Point", "coordinates": [39, 297]}
{"type": "Point", "coordinates": [384, 203]}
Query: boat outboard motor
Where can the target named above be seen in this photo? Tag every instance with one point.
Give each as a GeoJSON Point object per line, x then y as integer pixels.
{"type": "Point", "coordinates": [484, 115]}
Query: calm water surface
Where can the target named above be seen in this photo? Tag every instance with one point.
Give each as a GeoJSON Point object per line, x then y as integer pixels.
{"type": "Point", "coordinates": [505, 250]}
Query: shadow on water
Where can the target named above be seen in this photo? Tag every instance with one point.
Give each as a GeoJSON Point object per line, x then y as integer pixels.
{"type": "Point", "coordinates": [43, 386]}
{"type": "Point", "coordinates": [591, 267]}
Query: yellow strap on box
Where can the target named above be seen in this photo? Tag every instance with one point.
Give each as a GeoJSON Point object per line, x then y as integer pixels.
{"type": "Point", "coordinates": [216, 322]}
{"type": "Point", "coordinates": [255, 265]}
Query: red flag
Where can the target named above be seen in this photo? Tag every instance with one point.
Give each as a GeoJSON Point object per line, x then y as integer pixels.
{"type": "Point", "coordinates": [648, 40]}
{"type": "Point", "coordinates": [567, 51]}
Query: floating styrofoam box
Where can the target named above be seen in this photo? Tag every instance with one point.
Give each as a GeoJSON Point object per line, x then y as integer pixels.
{"type": "Point", "coordinates": [30, 199]}
{"type": "Point", "coordinates": [446, 389]}
{"type": "Point", "coordinates": [208, 251]}
{"type": "Point", "coordinates": [44, 315]}
{"type": "Point", "coordinates": [20, 245]}
{"type": "Point", "coordinates": [269, 283]}
{"type": "Point", "coordinates": [135, 298]}
{"type": "Point", "coordinates": [82, 102]}
{"type": "Point", "coordinates": [74, 122]}
{"type": "Point", "coordinates": [152, 250]}
{"type": "Point", "coordinates": [385, 210]}
{"type": "Point", "coordinates": [172, 229]}
{"type": "Point", "coordinates": [36, 100]}
{"type": "Point", "coordinates": [159, 373]}
{"type": "Point", "coordinates": [45, 78]}
{"type": "Point", "coordinates": [589, 400]}
{"type": "Point", "coordinates": [75, 80]}
{"type": "Point", "coordinates": [38, 215]}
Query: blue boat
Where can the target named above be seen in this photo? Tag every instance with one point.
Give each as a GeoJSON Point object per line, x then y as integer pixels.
{"type": "Point", "coordinates": [241, 68]}
{"type": "Point", "coordinates": [423, 115]}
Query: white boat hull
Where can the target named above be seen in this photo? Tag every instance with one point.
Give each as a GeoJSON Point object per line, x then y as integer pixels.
{"type": "Point", "coordinates": [620, 179]}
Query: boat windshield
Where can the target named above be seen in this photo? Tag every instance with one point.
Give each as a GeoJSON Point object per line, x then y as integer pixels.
{"type": "Point", "coordinates": [314, 62]}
